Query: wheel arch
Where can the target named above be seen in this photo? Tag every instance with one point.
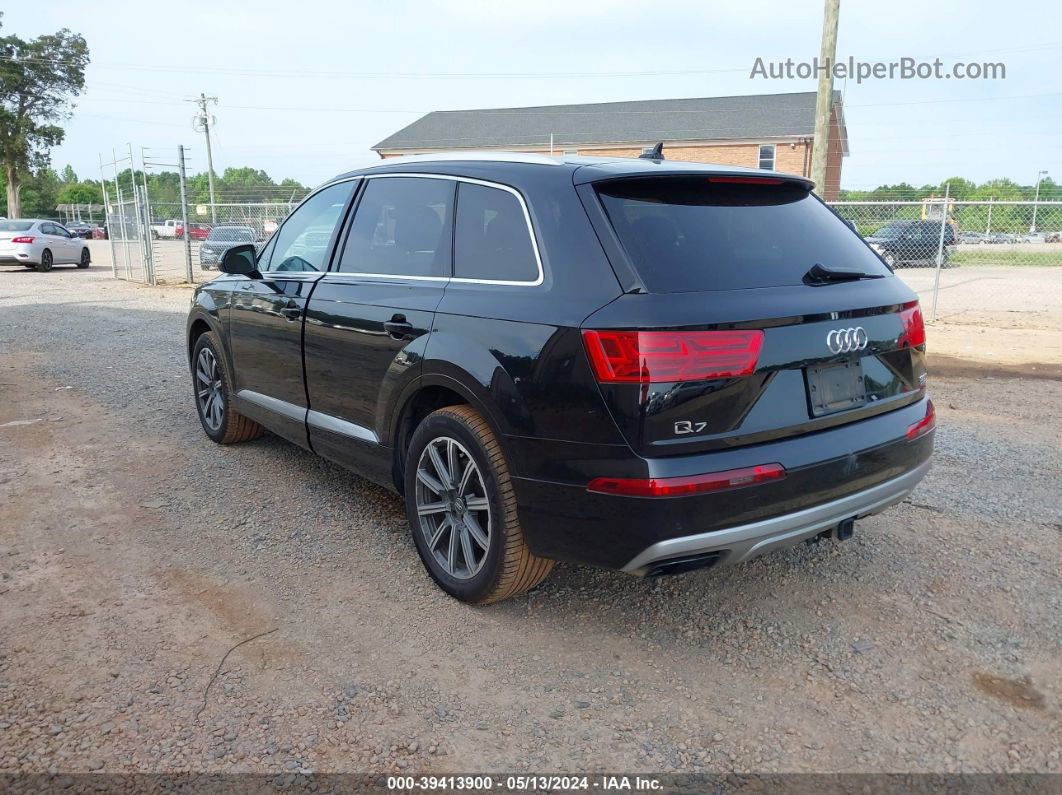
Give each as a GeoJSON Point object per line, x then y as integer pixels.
{"type": "Point", "coordinates": [428, 393]}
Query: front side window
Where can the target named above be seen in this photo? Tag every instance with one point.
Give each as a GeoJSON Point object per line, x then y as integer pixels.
{"type": "Point", "coordinates": [302, 242]}
{"type": "Point", "coordinates": [767, 157]}
{"type": "Point", "coordinates": [491, 239]}
{"type": "Point", "coordinates": [402, 227]}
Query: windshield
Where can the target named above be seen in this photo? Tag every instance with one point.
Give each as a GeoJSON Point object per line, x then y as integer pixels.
{"type": "Point", "coordinates": [15, 226]}
{"type": "Point", "coordinates": [688, 234]}
{"type": "Point", "coordinates": [231, 233]}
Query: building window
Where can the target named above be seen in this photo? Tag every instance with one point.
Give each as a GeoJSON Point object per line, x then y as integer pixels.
{"type": "Point", "coordinates": [767, 157]}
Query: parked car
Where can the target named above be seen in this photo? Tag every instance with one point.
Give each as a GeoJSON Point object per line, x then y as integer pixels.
{"type": "Point", "coordinates": [80, 229]}
{"type": "Point", "coordinates": [198, 231]}
{"type": "Point", "coordinates": [39, 243]}
{"type": "Point", "coordinates": [100, 232]}
{"type": "Point", "coordinates": [912, 242]}
{"type": "Point", "coordinates": [220, 239]}
{"type": "Point", "coordinates": [972, 238]}
{"type": "Point", "coordinates": [171, 229]}
{"type": "Point", "coordinates": [640, 365]}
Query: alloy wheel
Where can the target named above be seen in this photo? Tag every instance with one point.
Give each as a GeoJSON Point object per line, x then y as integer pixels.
{"type": "Point", "coordinates": [452, 507]}
{"type": "Point", "coordinates": [208, 389]}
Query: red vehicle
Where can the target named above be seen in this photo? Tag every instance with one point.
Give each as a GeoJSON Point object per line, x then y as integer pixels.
{"type": "Point", "coordinates": [198, 231]}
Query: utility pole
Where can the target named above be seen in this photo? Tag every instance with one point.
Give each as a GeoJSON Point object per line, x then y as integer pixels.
{"type": "Point", "coordinates": [824, 99]}
{"type": "Point", "coordinates": [202, 122]}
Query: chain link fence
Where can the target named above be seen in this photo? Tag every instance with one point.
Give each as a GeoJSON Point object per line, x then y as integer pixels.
{"type": "Point", "coordinates": [991, 263]}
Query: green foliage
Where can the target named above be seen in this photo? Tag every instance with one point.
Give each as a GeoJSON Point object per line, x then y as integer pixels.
{"type": "Point", "coordinates": [80, 193]}
{"type": "Point", "coordinates": [38, 79]}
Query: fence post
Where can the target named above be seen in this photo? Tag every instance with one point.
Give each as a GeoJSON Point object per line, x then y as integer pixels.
{"type": "Point", "coordinates": [107, 221]}
{"type": "Point", "coordinates": [940, 249]}
{"type": "Point", "coordinates": [149, 247]}
{"type": "Point", "coordinates": [988, 226]}
{"type": "Point", "coordinates": [184, 216]}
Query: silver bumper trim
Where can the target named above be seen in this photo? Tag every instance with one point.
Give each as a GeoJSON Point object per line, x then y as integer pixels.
{"type": "Point", "coordinates": [738, 544]}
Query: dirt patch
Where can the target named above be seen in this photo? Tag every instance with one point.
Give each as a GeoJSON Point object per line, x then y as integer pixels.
{"type": "Point", "coordinates": [942, 364]}
{"type": "Point", "coordinates": [1018, 692]}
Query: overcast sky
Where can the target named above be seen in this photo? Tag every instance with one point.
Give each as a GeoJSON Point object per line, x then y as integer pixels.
{"type": "Point", "coordinates": [306, 88]}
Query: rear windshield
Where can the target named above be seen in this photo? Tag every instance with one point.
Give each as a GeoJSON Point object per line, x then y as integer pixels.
{"type": "Point", "coordinates": [687, 234]}
{"type": "Point", "coordinates": [230, 233]}
{"type": "Point", "coordinates": [15, 226]}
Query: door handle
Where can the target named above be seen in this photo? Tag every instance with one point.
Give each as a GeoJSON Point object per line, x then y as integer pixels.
{"type": "Point", "coordinates": [292, 311]}
{"type": "Point", "coordinates": [398, 328]}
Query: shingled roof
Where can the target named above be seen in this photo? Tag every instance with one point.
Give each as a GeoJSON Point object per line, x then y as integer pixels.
{"type": "Point", "coordinates": [757, 117]}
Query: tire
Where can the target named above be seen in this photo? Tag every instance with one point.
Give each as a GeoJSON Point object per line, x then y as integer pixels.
{"type": "Point", "coordinates": [46, 262]}
{"type": "Point", "coordinates": [86, 258]}
{"type": "Point", "coordinates": [890, 259]}
{"type": "Point", "coordinates": [505, 566]}
{"type": "Point", "coordinates": [212, 389]}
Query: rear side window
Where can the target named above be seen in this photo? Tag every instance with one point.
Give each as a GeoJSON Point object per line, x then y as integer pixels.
{"type": "Point", "coordinates": [402, 227]}
{"type": "Point", "coordinates": [492, 240]}
{"type": "Point", "coordinates": [687, 234]}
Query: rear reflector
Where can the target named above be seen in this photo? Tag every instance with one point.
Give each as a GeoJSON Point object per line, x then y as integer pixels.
{"type": "Point", "coordinates": [691, 484]}
{"type": "Point", "coordinates": [747, 180]}
{"type": "Point", "coordinates": [914, 327]}
{"type": "Point", "coordinates": [924, 425]}
{"type": "Point", "coordinates": [23, 239]}
{"type": "Point", "coordinates": [655, 356]}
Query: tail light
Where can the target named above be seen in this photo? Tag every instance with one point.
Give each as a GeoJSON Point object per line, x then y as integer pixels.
{"type": "Point", "coordinates": [654, 356]}
{"type": "Point", "coordinates": [685, 486]}
{"type": "Point", "coordinates": [914, 326]}
{"type": "Point", "coordinates": [22, 239]}
{"type": "Point", "coordinates": [924, 425]}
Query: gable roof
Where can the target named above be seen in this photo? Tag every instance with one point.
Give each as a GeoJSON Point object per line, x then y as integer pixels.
{"type": "Point", "coordinates": [758, 116]}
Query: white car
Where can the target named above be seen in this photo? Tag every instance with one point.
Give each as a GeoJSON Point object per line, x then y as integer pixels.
{"type": "Point", "coordinates": [40, 244]}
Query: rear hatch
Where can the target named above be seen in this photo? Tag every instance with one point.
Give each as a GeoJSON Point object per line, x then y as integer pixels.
{"type": "Point", "coordinates": [757, 314]}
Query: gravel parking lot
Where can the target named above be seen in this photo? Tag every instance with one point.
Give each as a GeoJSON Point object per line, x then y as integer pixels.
{"type": "Point", "coordinates": [135, 554]}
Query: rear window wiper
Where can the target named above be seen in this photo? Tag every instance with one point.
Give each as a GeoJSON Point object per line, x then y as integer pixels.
{"type": "Point", "coordinates": [821, 274]}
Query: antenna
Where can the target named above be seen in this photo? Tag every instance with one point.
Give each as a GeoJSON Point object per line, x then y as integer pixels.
{"type": "Point", "coordinates": [653, 153]}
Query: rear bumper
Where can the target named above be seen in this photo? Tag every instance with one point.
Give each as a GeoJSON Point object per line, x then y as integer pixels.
{"type": "Point", "coordinates": [17, 258]}
{"type": "Point", "coordinates": [846, 472]}
{"type": "Point", "coordinates": [748, 541]}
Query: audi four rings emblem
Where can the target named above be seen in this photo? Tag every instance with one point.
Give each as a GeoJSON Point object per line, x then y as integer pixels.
{"type": "Point", "coordinates": [846, 340]}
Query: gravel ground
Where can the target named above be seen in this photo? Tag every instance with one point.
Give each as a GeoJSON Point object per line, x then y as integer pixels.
{"type": "Point", "coordinates": [134, 554]}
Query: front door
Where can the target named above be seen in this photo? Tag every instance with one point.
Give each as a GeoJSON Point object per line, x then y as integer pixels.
{"type": "Point", "coordinates": [367, 320]}
{"type": "Point", "coordinates": [266, 315]}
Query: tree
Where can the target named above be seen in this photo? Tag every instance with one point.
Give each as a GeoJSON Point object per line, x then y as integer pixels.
{"type": "Point", "coordinates": [80, 193]}
{"type": "Point", "coordinates": [38, 79]}
{"type": "Point", "coordinates": [68, 175]}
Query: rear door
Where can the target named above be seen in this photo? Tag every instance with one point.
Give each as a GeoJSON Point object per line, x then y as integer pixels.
{"type": "Point", "coordinates": [70, 242]}
{"type": "Point", "coordinates": [367, 320]}
{"type": "Point", "coordinates": [266, 316]}
{"type": "Point", "coordinates": [731, 340]}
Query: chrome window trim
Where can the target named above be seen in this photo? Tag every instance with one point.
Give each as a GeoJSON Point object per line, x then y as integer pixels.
{"type": "Point", "coordinates": [455, 279]}
{"type": "Point", "coordinates": [295, 209]}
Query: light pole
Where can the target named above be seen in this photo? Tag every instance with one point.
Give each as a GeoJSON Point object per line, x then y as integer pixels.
{"type": "Point", "coordinates": [1039, 176]}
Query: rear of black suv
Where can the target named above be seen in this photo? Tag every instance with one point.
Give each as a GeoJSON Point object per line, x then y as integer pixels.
{"type": "Point", "coordinates": [765, 368]}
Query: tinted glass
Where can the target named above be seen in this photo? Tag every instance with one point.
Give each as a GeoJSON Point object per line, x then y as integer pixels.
{"type": "Point", "coordinates": [491, 238]}
{"type": "Point", "coordinates": [302, 242]}
{"type": "Point", "coordinates": [401, 228]}
{"type": "Point", "coordinates": [686, 234]}
{"type": "Point", "coordinates": [15, 226]}
{"type": "Point", "coordinates": [231, 234]}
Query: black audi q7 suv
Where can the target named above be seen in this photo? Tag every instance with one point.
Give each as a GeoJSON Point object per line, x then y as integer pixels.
{"type": "Point", "coordinates": [636, 364]}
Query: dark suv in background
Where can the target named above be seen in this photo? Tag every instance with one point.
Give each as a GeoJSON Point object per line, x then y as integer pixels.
{"type": "Point", "coordinates": [913, 242]}
{"type": "Point", "coordinates": [636, 364]}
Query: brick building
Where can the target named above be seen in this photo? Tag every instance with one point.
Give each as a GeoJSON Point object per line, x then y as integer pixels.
{"type": "Point", "coordinates": [766, 131]}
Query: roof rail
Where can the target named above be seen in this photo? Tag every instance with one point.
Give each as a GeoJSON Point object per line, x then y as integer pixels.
{"type": "Point", "coordinates": [506, 157]}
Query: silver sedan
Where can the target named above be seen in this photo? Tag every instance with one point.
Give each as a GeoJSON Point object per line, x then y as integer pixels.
{"type": "Point", "coordinates": [39, 243]}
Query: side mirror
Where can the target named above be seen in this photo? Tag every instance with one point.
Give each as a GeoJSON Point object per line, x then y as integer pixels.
{"type": "Point", "coordinates": [240, 260]}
